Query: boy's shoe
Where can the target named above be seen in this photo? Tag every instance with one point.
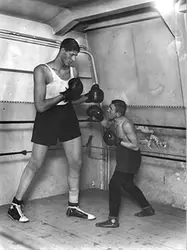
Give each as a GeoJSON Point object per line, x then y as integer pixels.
{"type": "Point", "coordinates": [147, 211]}
{"type": "Point", "coordinates": [77, 212]}
{"type": "Point", "coordinates": [15, 212]}
{"type": "Point", "coordinates": [110, 223]}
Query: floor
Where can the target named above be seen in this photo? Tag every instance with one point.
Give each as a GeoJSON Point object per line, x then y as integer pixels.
{"type": "Point", "coordinates": [51, 229]}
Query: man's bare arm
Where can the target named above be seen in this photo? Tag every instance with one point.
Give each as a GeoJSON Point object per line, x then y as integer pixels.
{"type": "Point", "coordinates": [41, 103]}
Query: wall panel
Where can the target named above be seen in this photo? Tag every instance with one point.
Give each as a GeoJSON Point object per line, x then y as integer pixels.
{"type": "Point", "coordinates": [157, 65]}
{"type": "Point", "coordinates": [138, 63]}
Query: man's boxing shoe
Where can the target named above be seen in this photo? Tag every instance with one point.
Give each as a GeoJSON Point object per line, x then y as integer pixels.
{"type": "Point", "coordinates": [77, 212]}
{"type": "Point", "coordinates": [15, 211]}
{"type": "Point", "coordinates": [110, 223]}
{"type": "Point", "coordinates": [147, 211]}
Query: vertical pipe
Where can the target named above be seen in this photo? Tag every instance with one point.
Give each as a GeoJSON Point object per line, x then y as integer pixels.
{"type": "Point", "coordinates": [108, 167]}
{"type": "Point", "coordinates": [85, 51]}
{"type": "Point", "coordinates": [103, 173]}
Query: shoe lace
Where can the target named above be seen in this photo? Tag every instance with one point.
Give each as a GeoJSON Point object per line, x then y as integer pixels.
{"type": "Point", "coordinates": [20, 208]}
{"type": "Point", "coordinates": [113, 221]}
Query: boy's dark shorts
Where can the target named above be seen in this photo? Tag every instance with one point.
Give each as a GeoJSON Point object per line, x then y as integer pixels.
{"type": "Point", "coordinates": [127, 160]}
{"type": "Point", "coordinates": [59, 122]}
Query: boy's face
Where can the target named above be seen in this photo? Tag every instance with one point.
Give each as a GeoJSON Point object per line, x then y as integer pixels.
{"type": "Point", "coordinates": [68, 57]}
{"type": "Point", "coordinates": [112, 114]}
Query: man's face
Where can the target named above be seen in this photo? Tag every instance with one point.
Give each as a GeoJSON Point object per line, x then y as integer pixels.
{"type": "Point", "coordinates": [112, 114]}
{"type": "Point", "coordinates": [68, 57]}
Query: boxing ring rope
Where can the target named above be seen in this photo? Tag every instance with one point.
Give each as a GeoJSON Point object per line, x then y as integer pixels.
{"type": "Point", "coordinates": [163, 157]}
{"type": "Point", "coordinates": [160, 126]}
{"type": "Point", "coordinates": [24, 152]}
{"type": "Point", "coordinates": [20, 122]}
{"type": "Point", "coordinates": [89, 120]}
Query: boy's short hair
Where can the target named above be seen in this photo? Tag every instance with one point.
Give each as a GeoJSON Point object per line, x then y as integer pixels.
{"type": "Point", "coordinates": [120, 106]}
{"type": "Point", "coordinates": [70, 44]}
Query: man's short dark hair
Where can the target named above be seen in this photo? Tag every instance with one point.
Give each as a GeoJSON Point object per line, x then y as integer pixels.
{"type": "Point", "coordinates": [120, 105]}
{"type": "Point", "coordinates": [70, 44]}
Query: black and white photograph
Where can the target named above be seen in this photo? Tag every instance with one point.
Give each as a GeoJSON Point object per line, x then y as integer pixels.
{"type": "Point", "coordinates": [93, 114]}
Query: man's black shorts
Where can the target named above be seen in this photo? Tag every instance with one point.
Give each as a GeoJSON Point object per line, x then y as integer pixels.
{"type": "Point", "coordinates": [59, 122]}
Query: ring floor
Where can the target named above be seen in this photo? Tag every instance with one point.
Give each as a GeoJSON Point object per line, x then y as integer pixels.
{"type": "Point", "coordinates": [50, 229]}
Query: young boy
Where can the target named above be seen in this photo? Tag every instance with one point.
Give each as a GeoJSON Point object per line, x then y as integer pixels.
{"type": "Point", "coordinates": [128, 160]}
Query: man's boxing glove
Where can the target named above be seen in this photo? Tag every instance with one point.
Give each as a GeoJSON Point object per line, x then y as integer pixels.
{"type": "Point", "coordinates": [95, 95]}
{"type": "Point", "coordinates": [95, 113]}
{"type": "Point", "coordinates": [74, 91]}
{"type": "Point", "coordinates": [111, 139]}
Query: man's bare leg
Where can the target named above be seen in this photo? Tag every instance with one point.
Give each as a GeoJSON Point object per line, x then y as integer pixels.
{"type": "Point", "coordinates": [34, 164]}
{"type": "Point", "coordinates": [73, 150]}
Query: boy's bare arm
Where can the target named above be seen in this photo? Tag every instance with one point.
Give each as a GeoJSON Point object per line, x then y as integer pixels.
{"type": "Point", "coordinates": [132, 140]}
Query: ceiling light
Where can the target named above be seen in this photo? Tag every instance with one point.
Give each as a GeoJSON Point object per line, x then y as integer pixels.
{"type": "Point", "coordinates": [165, 6]}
